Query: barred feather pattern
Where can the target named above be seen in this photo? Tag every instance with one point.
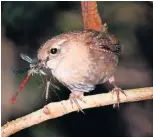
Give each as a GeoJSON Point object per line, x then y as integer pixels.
{"type": "Point", "coordinates": [103, 41]}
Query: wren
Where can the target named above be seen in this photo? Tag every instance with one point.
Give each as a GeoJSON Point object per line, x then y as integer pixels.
{"type": "Point", "coordinates": [80, 60]}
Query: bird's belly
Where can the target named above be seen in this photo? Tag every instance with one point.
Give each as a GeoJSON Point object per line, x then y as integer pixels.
{"type": "Point", "coordinates": [75, 79]}
{"type": "Point", "coordinates": [75, 75]}
{"type": "Point", "coordinates": [87, 75]}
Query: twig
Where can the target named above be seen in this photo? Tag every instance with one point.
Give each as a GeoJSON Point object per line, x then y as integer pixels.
{"type": "Point", "coordinates": [56, 109]}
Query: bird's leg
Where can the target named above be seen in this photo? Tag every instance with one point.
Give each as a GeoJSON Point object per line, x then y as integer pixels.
{"type": "Point", "coordinates": [117, 90]}
{"type": "Point", "coordinates": [74, 97]}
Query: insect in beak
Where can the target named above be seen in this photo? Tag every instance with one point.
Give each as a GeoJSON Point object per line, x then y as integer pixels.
{"type": "Point", "coordinates": [20, 88]}
{"type": "Point", "coordinates": [35, 68]}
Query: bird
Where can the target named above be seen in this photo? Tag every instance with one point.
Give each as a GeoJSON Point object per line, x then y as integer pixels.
{"type": "Point", "coordinates": [82, 59]}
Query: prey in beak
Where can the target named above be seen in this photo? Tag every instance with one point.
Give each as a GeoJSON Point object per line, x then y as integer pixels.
{"type": "Point", "coordinates": [36, 67]}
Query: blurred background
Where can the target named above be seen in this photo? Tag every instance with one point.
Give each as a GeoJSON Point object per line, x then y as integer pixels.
{"type": "Point", "coordinates": [27, 25]}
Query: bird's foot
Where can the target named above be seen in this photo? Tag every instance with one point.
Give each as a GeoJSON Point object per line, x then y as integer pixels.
{"type": "Point", "coordinates": [117, 91]}
{"type": "Point", "coordinates": [74, 97]}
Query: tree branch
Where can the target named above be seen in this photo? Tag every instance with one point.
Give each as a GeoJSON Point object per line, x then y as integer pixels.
{"type": "Point", "coordinates": [56, 109]}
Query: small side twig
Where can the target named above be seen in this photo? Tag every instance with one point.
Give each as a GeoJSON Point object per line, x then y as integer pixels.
{"type": "Point", "coordinates": [56, 109]}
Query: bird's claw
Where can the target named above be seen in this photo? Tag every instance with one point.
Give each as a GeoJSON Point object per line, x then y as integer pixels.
{"type": "Point", "coordinates": [74, 97]}
{"type": "Point", "coordinates": [117, 91]}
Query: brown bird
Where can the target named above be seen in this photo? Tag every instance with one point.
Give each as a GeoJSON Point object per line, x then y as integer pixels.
{"type": "Point", "coordinates": [80, 60]}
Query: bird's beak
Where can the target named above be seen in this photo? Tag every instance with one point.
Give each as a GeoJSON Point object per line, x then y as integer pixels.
{"type": "Point", "coordinates": [42, 67]}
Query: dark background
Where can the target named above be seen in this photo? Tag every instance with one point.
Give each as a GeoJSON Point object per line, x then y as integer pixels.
{"type": "Point", "coordinates": [27, 25]}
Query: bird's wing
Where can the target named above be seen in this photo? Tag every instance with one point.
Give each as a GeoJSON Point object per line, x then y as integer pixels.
{"type": "Point", "coordinates": [104, 41]}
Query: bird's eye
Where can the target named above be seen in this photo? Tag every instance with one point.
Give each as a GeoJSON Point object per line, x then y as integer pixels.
{"type": "Point", "coordinates": [53, 51]}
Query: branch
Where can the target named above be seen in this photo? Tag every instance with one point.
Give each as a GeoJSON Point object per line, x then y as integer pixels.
{"type": "Point", "coordinates": [56, 109]}
{"type": "Point", "coordinates": [91, 18]}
